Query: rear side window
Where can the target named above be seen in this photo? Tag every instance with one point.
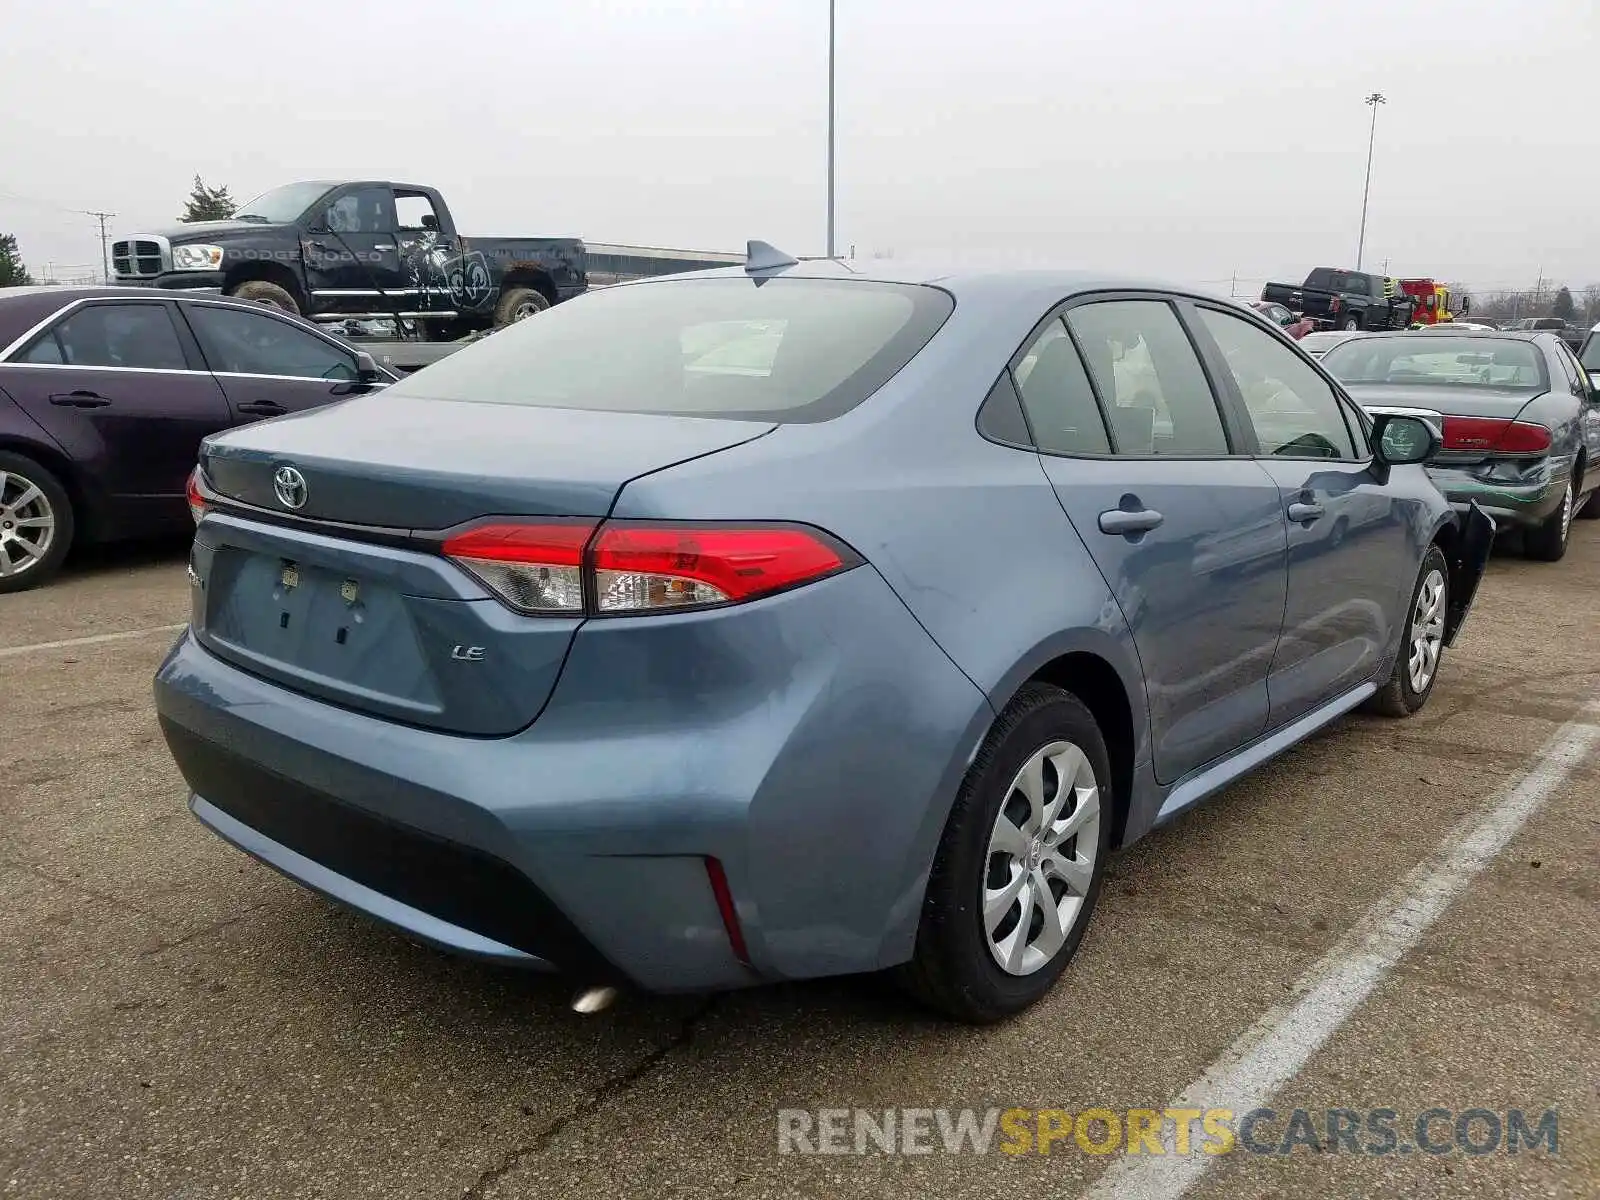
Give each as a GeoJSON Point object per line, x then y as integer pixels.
{"type": "Point", "coordinates": [137, 336]}
{"type": "Point", "coordinates": [1057, 397]}
{"type": "Point", "coordinates": [1146, 370]}
{"type": "Point", "coordinates": [789, 350]}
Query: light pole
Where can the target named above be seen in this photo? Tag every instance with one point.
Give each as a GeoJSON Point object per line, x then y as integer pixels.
{"type": "Point", "coordinates": [1372, 102]}
{"type": "Point", "coordinates": [830, 127]}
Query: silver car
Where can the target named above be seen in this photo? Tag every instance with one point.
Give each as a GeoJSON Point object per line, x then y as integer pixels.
{"type": "Point", "coordinates": [1517, 412]}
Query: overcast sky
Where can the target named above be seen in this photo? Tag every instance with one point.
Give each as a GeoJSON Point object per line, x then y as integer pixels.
{"type": "Point", "coordinates": [1190, 139]}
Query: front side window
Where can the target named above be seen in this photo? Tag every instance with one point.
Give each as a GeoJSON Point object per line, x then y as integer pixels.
{"type": "Point", "coordinates": [243, 343]}
{"type": "Point", "coordinates": [1294, 410]}
{"type": "Point", "coordinates": [777, 349]}
{"type": "Point", "coordinates": [365, 210]}
{"type": "Point", "coordinates": [1155, 392]}
{"type": "Point", "coordinates": [1057, 397]}
{"type": "Point", "coordinates": [134, 336]}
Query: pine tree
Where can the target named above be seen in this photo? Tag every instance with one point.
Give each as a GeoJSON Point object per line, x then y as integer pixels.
{"type": "Point", "coordinates": [207, 204]}
{"type": "Point", "coordinates": [12, 271]}
{"type": "Point", "coordinates": [1564, 307]}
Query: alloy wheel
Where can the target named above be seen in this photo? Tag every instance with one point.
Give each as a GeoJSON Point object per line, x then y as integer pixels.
{"type": "Point", "coordinates": [1427, 631]}
{"type": "Point", "coordinates": [1041, 858]}
{"type": "Point", "coordinates": [1566, 513]}
{"type": "Point", "coordinates": [27, 524]}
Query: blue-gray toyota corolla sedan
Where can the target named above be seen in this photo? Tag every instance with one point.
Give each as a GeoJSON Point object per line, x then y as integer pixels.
{"type": "Point", "coordinates": [793, 621]}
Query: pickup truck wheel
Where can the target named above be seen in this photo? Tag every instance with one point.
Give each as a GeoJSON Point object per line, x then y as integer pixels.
{"type": "Point", "coordinates": [517, 303]}
{"type": "Point", "coordinates": [266, 293]}
{"type": "Point", "coordinates": [35, 523]}
{"type": "Point", "coordinates": [1350, 323]}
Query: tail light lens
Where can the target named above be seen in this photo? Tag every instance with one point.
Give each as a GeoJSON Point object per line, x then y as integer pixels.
{"type": "Point", "coordinates": [646, 568]}
{"type": "Point", "coordinates": [642, 567]}
{"type": "Point", "coordinates": [1333, 305]}
{"type": "Point", "coordinates": [197, 501]}
{"type": "Point", "coordinates": [533, 568]}
{"type": "Point", "coordinates": [1493, 435]}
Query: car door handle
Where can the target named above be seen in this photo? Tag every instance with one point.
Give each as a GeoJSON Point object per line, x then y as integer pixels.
{"type": "Point", "coordinates": [1300, 511]}
{"type": "Point", "coordinates": [263, 408]}
{"type": "Point", "coordinates": [79, 400]}
{"type": "Point", "coordinates": [1124, 521]}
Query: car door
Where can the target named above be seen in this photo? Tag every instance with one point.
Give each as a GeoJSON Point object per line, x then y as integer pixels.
{"type": "Point", "coordinates": [352, 253]}
{"type": "Point", "coordinates": [1578, 383]}
{"type": "Point", "coordinates": [268, 365]}
{"type": "Point", "coordinates": [120, 386]}
{"type": "Point", "coordinates": [1188, 533]}
{"type": "Point", "coordinates": [1351, 556]}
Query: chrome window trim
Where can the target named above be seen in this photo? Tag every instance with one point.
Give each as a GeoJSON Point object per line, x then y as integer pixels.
{"type": "Point", "coordinates": [163, 296]}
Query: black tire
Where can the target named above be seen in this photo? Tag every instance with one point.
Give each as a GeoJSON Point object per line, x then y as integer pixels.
{"type": "Point", "coordinates": [952, 969]}
{"type": "Point", "coordinates": [270, 294]}
{"type": "Point", "coordinates": [1591, 507]}
{"type": "Point", "coordinates": [1399, 697]}
{"type": "Point", "coordinates": [1547, 541]}
{"type": "Point", "coordinates": [1350, 323]}
{"type": "Point", "coordinates": [517, 304]}
{"type": "Point", "coordinates": [14, 467]}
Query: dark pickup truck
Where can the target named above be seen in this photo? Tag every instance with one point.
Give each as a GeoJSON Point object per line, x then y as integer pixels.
{"type": "Point", "coordinates": [1340, 299]}
{"type": "Point", "coordinates": [333, 250]}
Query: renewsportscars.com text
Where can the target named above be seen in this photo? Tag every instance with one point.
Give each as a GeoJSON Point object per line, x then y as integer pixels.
{"type": "Point", "coordinates": [1019, 1131]}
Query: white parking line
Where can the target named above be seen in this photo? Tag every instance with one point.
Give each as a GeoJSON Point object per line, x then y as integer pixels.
{"type": "Point", "coordinates": [1273, 1050]}
{"type": "Point", "coordinates": [13, 651]}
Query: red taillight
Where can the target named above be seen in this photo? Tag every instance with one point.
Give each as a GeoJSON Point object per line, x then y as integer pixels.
{"type": "Point", "coordinates": [641, 567]}
{"type": "Point", "coordinates": [1494, 435]}
{"type": "Point", "coordinates": [535, 568]}
{"type": "Point", "coordinates": [644, 568]}
{"type": "Point", "coordinates": [197, 501]}
{"type": "Point", "coordinates": [1333, 305]}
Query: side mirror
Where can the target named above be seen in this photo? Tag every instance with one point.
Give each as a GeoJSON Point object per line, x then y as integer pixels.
{"type": "Point", "coordinates": [1398, 441]}
{"type": "Point", "coordinates": [429, 221]}
{"type": "Point", "coordinates": [367, 368]}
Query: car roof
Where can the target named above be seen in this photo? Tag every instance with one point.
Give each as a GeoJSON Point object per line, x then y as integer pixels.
{"type": "Point", "coordinates": [1007, 285]}
{"type": "Point", "coordinates": [1502, 335]}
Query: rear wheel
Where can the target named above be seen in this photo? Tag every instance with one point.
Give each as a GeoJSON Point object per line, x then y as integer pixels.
{"type": "Point", "coordinates": [35, 523]}
{"type": "Point", "coordinates": [1547, 541]}
{"type": "Point", "coordinates": [1416, 668]}
{"type": "Point", "coordinates": [518, 303]}
{"type": "Point", "coordinates": [1019, 865]}
{"type": "Point", "coordinates": [1351, 323]}
{"type": "Point", "coordinates": [266, 293]}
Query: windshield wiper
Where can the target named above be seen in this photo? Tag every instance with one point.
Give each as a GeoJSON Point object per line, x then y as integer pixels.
{"type": "Point", "coordinates": [257, 217]}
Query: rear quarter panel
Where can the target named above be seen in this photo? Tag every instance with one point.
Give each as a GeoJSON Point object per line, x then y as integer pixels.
{"type": "Point", "coordinates": [967, 533]}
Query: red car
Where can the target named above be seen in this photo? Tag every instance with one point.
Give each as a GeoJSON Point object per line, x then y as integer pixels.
{"type": "Point", "coordinates": [1295, 327]}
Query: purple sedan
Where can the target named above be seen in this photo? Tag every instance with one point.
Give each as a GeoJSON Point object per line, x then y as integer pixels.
{"type": "Point", "coordinates": [105, 394]}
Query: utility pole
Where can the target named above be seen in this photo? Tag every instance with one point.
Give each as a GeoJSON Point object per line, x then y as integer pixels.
{"type": "Point", "coordinates": [1372, 102]}
{"type": "Point", "coordinates": [105, 250]}
{"type": "Point", "coordinates": [830, 126]}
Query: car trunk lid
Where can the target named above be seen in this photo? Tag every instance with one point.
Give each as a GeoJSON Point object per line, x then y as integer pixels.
{"type": "Point", "coordinates": [347, 599]}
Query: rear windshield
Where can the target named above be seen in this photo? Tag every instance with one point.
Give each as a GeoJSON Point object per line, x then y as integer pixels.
{"type": "Point", "coordinates": [1439, 359]}
{"type": "Point", "coordinates": [779, 349]}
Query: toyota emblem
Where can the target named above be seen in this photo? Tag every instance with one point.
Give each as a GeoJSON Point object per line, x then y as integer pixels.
{"type": "Point", "coordinates": [290, 487]}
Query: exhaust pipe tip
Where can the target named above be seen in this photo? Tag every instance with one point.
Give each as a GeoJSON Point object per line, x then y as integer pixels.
{"type": "Point", "coordinates": [594, 999]}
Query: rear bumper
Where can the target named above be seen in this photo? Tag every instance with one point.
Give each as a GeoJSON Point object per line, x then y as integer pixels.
{"type": "Point", "coordinates": [819, 776]}
{"type": "Point", "coordinates": [1527, 502]}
